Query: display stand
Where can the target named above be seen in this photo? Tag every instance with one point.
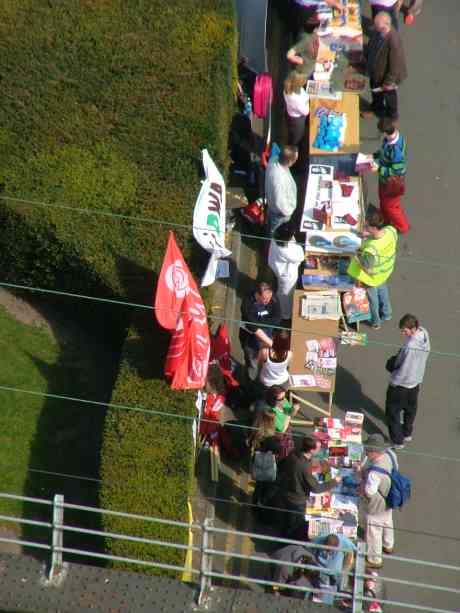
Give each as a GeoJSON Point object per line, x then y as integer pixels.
{"type": "Point", "coordinates": [303, 330]}
{"type": "Point", "coordinates": [349, 105]}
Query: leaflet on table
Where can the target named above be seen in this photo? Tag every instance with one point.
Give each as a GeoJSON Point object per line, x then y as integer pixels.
{"type": "Point", "coordinates": [310, 381]}
{"type": "Point", "coordinates": [318, 241]}
{"type": "Point", "coordinates": [364, 162]}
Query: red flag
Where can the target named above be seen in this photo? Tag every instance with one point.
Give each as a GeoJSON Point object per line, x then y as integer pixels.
{"type": "Point", "coordinates": [179, 306]}
{"type": "Point", "coordinates": [173, 285]}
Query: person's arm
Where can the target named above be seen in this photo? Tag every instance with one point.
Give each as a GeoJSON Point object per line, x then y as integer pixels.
{"type": "Point", "coordinates": [319, 488]}
{"type": "Point", "coordinates": [366, 260]}
{"type": "Point", "coordinates": [263, 355]}
{"type": "Point", "coordinates": [293, 56]}
{"type": "Point", "coordinates": [287, 423]}
{"type": "Point", "coordinates": [263, 337]}
{"type": "Point", "coordinates": [372, 484]}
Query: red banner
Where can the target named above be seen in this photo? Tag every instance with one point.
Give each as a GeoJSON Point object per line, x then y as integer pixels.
{"type": "Point", "coordinates": [179, 306]}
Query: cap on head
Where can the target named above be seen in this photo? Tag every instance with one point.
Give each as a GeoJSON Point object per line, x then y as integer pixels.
{"type": "Point", "coordinates": [375, 442]}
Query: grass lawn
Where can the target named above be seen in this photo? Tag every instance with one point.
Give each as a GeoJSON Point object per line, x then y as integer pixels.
{"type": "Point", "coordinates": [44, 434]}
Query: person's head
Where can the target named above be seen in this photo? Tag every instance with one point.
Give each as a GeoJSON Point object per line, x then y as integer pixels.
{"type": "Point", "coordinates": [275, 395]}
{"type": "Point", "coordinates": [387, 127]}
{"type": "Point", "coordinates": [332, 540]}
{"type": "Point", "coordinates": [288, 156]}
{"type": "Point", "coordinates": [264, 292]}
{"type": "Point", "coordinates": [283, 233]}
{"type": "Point", "coordinates": [374, 221]}
{"type": "Point", "coordinates": [309, 446]}
{"type": "Point", "coordinates": [281, 344]}
{"type": "Point", "coordinates": [374, 446]}
{"type": "Point", "coordinates": [294, 81]}
{"type": "Point", "coordinates": [408, 325]}
{"type": "Point", "coordinates": [382, 23]}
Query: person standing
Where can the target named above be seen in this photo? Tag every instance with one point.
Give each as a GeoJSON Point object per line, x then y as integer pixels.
{"type": "Point", "coordinates": [407, 372]}
{"type": "Point", "coordinates": [373, 264]}
{"type": "Point", "coordinates": [284, 257]}
{"type": "Point", "coordinates": [260, 311]}
{"type": "Point", "coordinates": [386, 67]}
{"type": "Point", "coordinates": [375, 488]}
{"type": "Point", "coordinates": [391, 165]}
{"type": "Point", "coordinates": [392, 7]}
{"type": "Point", "coordinates": [281, 188]}
{"type": "Point", "coordinates": [297, 103]}
{"type": "Point", "coordinates": [275, 361]}
{"type": "Point", "coordinates": [296, 482]}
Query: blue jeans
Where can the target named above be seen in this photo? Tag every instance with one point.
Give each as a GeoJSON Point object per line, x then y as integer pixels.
{"type": "Point", "coordinates": [379, 304]}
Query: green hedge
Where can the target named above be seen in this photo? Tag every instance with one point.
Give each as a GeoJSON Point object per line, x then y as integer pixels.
{"type": "Point", "coordinates": [106, 105]}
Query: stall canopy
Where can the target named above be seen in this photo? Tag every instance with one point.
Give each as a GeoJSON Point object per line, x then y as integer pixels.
{"type": "Point", "coordinates": [252, 26]}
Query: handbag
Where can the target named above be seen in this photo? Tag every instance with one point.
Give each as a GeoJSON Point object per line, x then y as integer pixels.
{"type": "Point", "coordinates": [390, 365]}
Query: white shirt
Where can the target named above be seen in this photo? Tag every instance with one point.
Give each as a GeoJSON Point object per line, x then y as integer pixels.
{"type": "Point", "coordinates": [386, 3]}
{"type": "Point", "coordinates": [297, 104]}
{"type": "Point", "coordinates": [280, 189]}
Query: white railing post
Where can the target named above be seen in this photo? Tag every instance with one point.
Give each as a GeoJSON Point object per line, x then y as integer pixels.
{"type": "Point", "coordinates": [57, 541]}
{"type": "Point", "coordinates": [206, 565]}
{"type": "Point", "coordinates": [358, 580]}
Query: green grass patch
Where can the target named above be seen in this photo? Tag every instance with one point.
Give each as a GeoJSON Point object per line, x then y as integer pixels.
{"type": "Point", "coordinates": [105, 106]}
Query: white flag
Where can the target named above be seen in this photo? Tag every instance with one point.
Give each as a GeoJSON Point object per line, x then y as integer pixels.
{"type": "Point", "coordinates": [209, 218]}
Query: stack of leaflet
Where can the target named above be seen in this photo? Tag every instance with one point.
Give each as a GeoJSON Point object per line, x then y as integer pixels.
{"type": "Point", "coordinates": [336, 512]}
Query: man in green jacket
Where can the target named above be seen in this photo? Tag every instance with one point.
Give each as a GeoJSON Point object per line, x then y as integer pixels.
{"type": "Point", "coordinates": [373, 264]}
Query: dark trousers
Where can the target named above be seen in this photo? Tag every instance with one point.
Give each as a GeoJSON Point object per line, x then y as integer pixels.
{"type": "Point", "coordinates": [401, 400]}
{"type": "Point", "coordinates": [385, 103]}
{"type": "Point", "coordinates": [297, 127]}
{"type": "Point", "coordinates": [294, 525]}
{"type": "Point", "coordinates": [391, 11]}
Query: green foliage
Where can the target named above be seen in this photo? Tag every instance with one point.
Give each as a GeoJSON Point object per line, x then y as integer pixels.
{"type": "Point", "coordinates": [106, 105]}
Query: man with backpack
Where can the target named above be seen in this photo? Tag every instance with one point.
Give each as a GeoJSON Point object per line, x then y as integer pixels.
{"type": "Point", "coordinates": [383, 488]}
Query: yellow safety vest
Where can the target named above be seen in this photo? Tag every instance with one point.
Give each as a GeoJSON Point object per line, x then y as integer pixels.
{"type": "Point", "coordinates": [382, 252]}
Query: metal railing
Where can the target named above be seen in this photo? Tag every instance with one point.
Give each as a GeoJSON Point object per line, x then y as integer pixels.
{"type": "Point", "coordinates": [207, 554]}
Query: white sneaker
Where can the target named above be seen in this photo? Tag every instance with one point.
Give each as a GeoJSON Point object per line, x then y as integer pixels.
{"type": "Point", "coordinates": [398, 446]}
{"type": "Point", "coordinates": [407, 439]}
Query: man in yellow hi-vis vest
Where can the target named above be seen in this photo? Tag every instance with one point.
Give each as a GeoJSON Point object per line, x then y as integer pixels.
{"type": "Point", "coordinates": [373, 264]}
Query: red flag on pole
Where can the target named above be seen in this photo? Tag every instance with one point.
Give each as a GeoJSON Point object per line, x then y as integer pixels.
{"type": "Point", "coordinates": [179, 306]}
{"type": "Point", "coordinates": [173, 285]}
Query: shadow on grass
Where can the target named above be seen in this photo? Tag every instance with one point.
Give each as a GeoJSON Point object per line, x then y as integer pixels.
{"type": "Point", "coordinates": [68, 436]}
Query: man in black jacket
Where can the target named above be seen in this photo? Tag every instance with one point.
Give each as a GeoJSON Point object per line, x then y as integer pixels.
{"type": "Point", "coordinates": [260, 311]}
{"type": "Point", "coordinates": [296, 482]}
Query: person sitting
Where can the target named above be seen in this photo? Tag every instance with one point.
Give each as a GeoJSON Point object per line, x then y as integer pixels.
{"type": "Point", "coordinates": [284, 257]}
{"type": "Point", "coordinates": [275, 361]}
{"type": "Point", "coordinates": [292, 575]}
{"type": "Point", "coordinates": [281, 188]}
{"type": "Point", "coordinates": [336, 560]}
{"type": "Point", "coordinates": [260, 311]}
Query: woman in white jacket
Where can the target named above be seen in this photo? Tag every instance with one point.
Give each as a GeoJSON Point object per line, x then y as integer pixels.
{"type": "Point", "coordinates": [284, 258]}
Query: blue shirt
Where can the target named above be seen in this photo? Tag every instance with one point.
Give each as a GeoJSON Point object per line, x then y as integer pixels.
{"type": "Point", "coordinates": [330, 558]}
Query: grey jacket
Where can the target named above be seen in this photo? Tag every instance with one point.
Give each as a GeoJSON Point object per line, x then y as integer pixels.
{"type": "Point", "coordinates": [376, 504]}
{"type": "Point", "coordinates": [411, 361]}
